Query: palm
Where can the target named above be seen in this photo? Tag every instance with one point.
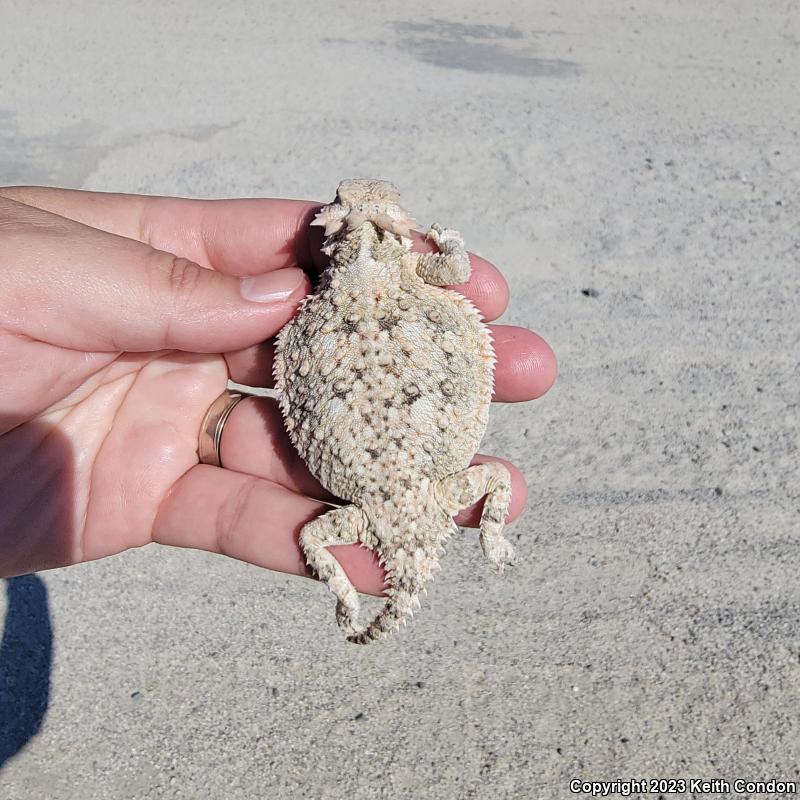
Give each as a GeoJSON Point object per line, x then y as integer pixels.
{"type": "Point", "coordinates": [114, 447]}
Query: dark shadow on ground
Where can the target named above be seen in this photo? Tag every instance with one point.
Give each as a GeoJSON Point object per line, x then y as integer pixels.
{"type": "Point", "coordinates": [26, 654]}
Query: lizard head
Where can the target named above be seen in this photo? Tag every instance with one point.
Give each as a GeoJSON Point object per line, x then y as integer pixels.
{"type": "Point", "coordinates": [361, 200]}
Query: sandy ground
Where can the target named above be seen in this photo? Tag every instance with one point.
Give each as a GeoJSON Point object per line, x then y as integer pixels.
{"type": "Point", "coordinates": [634, 170]}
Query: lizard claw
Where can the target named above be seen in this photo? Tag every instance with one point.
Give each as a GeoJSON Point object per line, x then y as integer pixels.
{"type": "Point", "coordinates": [442, 237]}
{"type": "Point", "coordinates": [500, 553]}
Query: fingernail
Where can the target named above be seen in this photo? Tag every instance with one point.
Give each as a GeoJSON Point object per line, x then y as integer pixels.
{"type": "Point", "coordinates": [272, 287]}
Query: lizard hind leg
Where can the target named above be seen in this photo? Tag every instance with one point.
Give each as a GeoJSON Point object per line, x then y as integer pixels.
{"type": "Point", "coordinates": [462, 489]}
{"type": "Point", "coordinates": [346, 525]}
{"type": "Point", "coordinates": [407, 577]}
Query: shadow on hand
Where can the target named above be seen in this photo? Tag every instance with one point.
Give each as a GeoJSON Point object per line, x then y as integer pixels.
{"type": "Point", "coordinates": [37, 485]}
{"type": "Point", "coordinates": [26, 654]}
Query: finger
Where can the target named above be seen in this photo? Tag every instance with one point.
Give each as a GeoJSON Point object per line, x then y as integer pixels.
{"type": "Point", "coordinates": [525, 369]}
{"type": "Point", "coordinates": [252, 520]}
{"type": "Point", "coordinates": [526, 365]}
{"type": "Point", "coordinates": [255, 442]}
{"type": "Point", "coordinates": [486, 289]}
{"type": "Point", "coordinates": [239, 237]}
{"type": "Point", "coordinates": [252, 365]}
{"type": "Point", "coordinates": [114, 293]}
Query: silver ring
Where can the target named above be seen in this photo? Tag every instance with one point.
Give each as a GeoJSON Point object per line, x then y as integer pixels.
{"type": "Point", "coordinates": [211, 428]}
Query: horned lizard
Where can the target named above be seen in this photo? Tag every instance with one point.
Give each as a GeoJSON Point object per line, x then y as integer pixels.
{"type": "Point", "coordinates": [385, 380]}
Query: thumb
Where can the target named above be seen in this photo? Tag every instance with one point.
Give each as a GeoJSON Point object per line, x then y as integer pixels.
{"type": "Point", "coordinates": [86, 289]}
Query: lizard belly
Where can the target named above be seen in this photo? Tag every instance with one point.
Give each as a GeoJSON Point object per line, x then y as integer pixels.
{"type": "Point", "coordinates": [393, 390]}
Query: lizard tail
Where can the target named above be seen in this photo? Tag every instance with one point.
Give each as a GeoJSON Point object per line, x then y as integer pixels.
{"type": "Point", "coordinates": [397, 609]}
{"type": "Point", "coordinates": [402, 602]}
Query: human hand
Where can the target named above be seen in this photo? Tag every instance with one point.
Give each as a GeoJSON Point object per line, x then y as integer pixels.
{"type": "Point", "coordinates": [121, 319]}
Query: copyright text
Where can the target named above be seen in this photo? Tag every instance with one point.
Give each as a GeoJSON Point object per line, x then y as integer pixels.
{"type": "Point", "coordinates": [663, 786]}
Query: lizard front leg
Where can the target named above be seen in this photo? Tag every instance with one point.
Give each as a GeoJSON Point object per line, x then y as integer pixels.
{"type": "Point", "coordinates": [450, 266]}
{"type": "Point", "coordinates": [466, 487]}
{"type": "Point", "coordinates": [345, 525]}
